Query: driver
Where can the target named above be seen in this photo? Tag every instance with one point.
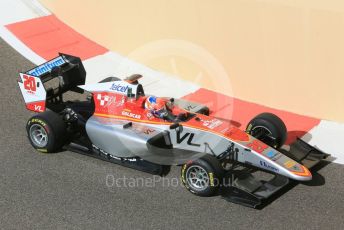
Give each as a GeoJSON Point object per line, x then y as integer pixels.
{"type": "Point", "coordinates": [157, 106]}
{"type": "Point", "coordinates": [164, 109]}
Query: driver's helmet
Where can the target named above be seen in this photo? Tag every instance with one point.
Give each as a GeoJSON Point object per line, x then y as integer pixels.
{"type": "Point", "coordinates": [156, 105]}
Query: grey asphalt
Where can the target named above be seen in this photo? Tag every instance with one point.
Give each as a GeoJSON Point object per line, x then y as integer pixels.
{"type": "Point", "coordinates": [71, 191]}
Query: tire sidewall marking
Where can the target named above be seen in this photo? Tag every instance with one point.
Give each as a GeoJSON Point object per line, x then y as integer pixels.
{"type": "Point", "coordinates": [249, 127]}
{"type": "Point", "coordinates": [44, 124]}
{"type": "Point", "coordinates": [183, 173]}
{"type": "Point", "coordinates": [211, 179]}
{"type": "Point", "coordinates": [40, 122]}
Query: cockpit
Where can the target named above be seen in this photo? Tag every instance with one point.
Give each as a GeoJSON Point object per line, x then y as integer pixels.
{"type": "Point", "coordinates": [164, 108]}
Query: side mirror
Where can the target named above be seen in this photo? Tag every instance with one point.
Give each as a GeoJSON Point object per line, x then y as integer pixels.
{"type": "Point", "coordinates": [178, 127]}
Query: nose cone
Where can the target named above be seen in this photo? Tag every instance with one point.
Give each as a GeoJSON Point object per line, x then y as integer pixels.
{"type": "Point", "coordinates": [302, 174]}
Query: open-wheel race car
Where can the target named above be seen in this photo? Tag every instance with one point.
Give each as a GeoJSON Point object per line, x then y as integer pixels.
{"type": "Point", "coordinates": [117, 122]}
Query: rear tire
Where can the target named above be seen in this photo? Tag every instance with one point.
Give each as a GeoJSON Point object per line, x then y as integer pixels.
{"type": "Point", "coordinates": [203, 176]}
{"type": "Point", "coordinates": [268, 128]}
{"type": "Point", "coordinates": [47, 132]}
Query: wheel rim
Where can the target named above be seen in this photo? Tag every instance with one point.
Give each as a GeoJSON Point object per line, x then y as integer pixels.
{"type": "Point", "coordinates": [197, 177]}
{"type": "Point", "coordinates": [38, 135]}
{"type": "Point", "coordinates": [264, 134]}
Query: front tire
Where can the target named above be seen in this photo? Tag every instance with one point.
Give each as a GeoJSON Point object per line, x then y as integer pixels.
{"type": "Point", "coordinates": [47, 132]}
{"type": "Point", "coordinates": [203, 176]}
{"type": "Point", "coordinates": [268, 128]}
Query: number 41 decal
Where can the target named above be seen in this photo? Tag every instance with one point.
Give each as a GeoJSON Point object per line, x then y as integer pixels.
{"type": "Point", "coordinates": [29, 83]}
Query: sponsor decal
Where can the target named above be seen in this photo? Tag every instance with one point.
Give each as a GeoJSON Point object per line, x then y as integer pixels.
{"type": "Point", "coordinates": [211, 179]}
{"type": "Point", "coordinates": [38, 106]}
{"type": "Point", "coordinates": [190, 107]}
{"type": "Point", "coordinates": [257, 146]}
{"type": "Point", "coordinates": [248, 129]}
{"type": "Point", "coordinates": [267, 166]}
{"type": "Point", "coordinates": [39, 121]}
{"type": "Point", "coordinates": [237, 134]}
{"type": "Point", "coordinates": [119, 88]}
{"type": "Point", "coordinates": [189, 141]}
{"type": "Point", "coordinates": [120, 103]}
{"type": "Point", "coordinates": [141, 129]}
{"type": "Point", "coordinates": [271, 154]}
{"type": "Point", "coordinates": [101, 151]}
{"type": "Point", "coordinates": [46, 67]}
{"type": "Point", "coordinates": [130, 159]}
{"type": "Point", "coordinates": [211, 124]}
{"type": "Point", "coordinates": [277, 157]}
{"type": "Point", "coordinates": [183, 173]}
{"type": "Point", "coordinates": [29, 84]}
{"type": "Point", "coordinates": [148, 131]}
{"type": "Point", "coordinates": [105, 100]}
{"type": "Point", "coordinates": [129, 114]}
{"type": "Point", "coordinates": [289, 164]}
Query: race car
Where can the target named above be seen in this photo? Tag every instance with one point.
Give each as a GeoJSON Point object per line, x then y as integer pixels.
{"type": "Point", "coordinates": [119, 123]}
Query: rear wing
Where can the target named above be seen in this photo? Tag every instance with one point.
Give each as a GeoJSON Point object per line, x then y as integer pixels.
{"type": "Point", "coordinates": [37, 95]}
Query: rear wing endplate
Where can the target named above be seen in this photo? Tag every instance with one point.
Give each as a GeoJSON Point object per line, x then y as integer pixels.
{"type": "Point", "coordinates": [31, 83]}
{"type": "Point", "coordinates": [33, 92]}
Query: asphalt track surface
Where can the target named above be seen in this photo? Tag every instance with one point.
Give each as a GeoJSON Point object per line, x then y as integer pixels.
{"type": "Point", "coordinates": [71, 191]}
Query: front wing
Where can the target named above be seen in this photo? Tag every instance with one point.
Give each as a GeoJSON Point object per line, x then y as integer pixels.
{"type": "Point", "coordinates": [247, 190]}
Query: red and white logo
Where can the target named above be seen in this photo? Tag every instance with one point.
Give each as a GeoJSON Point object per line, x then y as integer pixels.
{"type": "Point", "coordinates": [38, 106]}
{"type": "Point", "coordinates": [29, 83]}
{"type": "Point", "coordinates": [103, 99]}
